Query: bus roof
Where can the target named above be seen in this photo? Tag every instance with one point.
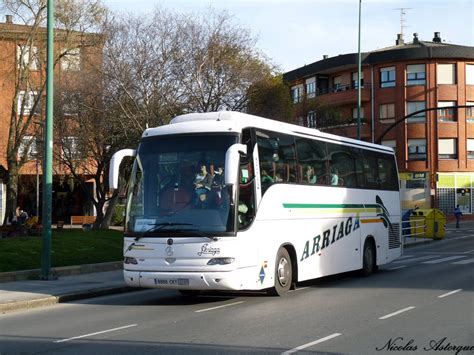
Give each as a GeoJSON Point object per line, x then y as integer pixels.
{"type": "Point", "coordinates": [231, 121]}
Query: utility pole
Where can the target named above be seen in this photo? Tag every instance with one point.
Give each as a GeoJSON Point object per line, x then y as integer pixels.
{"type": "Point", "coordinates": [48, 150]}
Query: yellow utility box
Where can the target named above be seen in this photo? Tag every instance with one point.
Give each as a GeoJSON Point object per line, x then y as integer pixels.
{"type": "Point", "coordinates": [432, 221]}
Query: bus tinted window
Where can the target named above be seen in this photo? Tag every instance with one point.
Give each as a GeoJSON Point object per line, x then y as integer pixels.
{"type": "Point", "coordinates": [312, 161]}
{"type": "Point", "coordinates": [342, 165]}
{"type": "Point", "coordinates": [387, 171]}
{"type": "Point", "coordinates": [380, 171]}
{"type": "Point", "coordinates": [277, 158]}
{"type": "Point", "coordinates": [370, 170]}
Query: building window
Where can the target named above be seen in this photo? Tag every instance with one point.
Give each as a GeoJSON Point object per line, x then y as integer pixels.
{"type": "Point", "coordinates": [28, 146]}
{"type": "Point", "coordinates": [297, 93]}
{"type": "Point", "coordinates": [469, 74]}
{"type": "Point", "coordinates": [417, 149]}
{"type": "Point", "coordinates": [354, 80]}
{"type": "Point", "coordinates": [446, 74]}
{"type": "Point", "coordinates": [387, 77]}
{"type": "Point", "coordinates": [387, 112]}
{"type": "Point", "coordinates": [311, 87]}
{"type": "Point", "coordinates": [71, 60]}
{"type": "Point", "coordinates": [70, 148]}
{"type": "Point", "coordinates": [470, 148]}
{"type": "Point", "coordinates": [447, 148]}
{"type": "Point", "coordinates": [27, 57]}
{"type": "Point", "coordinates": [311, 119]}
{"type": "Point", "coordinates": [416, 74]}
{"type": "Point", "coordinates": [337, 83]}
{"type": "Point", "coordinates": [414, 106]}
{"type": "Point", "coordinates": [470, 112]}
{"type": "Point", "coordinates": [26, 102]}
{"type": "Point", "coordinates": [354, 113]}
{"type": "Point", "coordinates": [447, 113]}
{"type": "Point", "coordinates": [390, 143]}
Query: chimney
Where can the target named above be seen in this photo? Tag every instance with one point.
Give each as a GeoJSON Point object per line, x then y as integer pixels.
{"type": "Point", "coordinates": [399, 40]}
{"type": "Point", "coordinates": [415, 38]}
{"type": "Point", "coordinates": [437, 37]}
{"type": "Point", "coordinates": [9, 19]}
{"type": "Point", "coordinates": [325, 56]}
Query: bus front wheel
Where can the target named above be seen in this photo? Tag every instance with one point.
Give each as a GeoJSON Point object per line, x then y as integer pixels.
{"type": "Point", "coordinates": [368, 259]}
{"type": "Point", "coordinates": [283, 273]}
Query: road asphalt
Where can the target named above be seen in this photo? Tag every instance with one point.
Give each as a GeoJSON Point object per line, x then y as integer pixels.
{"type": "Point", "coordinates": [88, 281]}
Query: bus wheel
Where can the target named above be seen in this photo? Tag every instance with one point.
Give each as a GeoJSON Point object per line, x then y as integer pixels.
{"type": "Point", "coordinates": [283, 273]}
{"type": "Point", "coordinates": [368, 259]}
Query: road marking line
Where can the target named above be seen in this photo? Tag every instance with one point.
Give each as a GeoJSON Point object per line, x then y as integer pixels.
{"type": "Point", "coordinates": [96, 333]}
{"type": "Point", "coordinates": [449, 258]}
{"type": "Point", "coordinates": [301, 347]}
{"type": "Point", "coordinates": [450, 293]}
{"type": "Point", "coordinates": [398, 267]}
{"type": "Point", "coordinates": [416, 259]}
{"type": "Point", "coordinates": [468, 252]}
{"type": "Point", "coordinates": [397, 312]}
{"type": "Point", "coordinates": [224, 305]}
{"type": "Point", "coordinates": [464, 262]}
{"type": "Point", "coordinates": [406, 256]}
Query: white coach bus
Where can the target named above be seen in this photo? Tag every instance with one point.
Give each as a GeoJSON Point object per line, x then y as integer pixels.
{"type": "Point", "coordinates": [230, 201]}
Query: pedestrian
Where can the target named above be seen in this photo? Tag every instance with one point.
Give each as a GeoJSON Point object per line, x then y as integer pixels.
{"type": "Point", "coordinates": [457, 214]}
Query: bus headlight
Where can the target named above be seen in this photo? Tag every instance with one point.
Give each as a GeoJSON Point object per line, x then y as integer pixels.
{"type": "Point", "coordinates": [129, 260]}
{"type": "Point", "coordinates": [220, 261]}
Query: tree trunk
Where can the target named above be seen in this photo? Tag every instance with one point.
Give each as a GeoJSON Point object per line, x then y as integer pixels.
{"type": "Point", "coordinates": [110, 210]}
{"type": "Point", "coordinates": [12, 193]}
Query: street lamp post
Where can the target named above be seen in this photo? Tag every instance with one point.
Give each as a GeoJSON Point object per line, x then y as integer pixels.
{"type": "Point", "coordinates": [48, 151]}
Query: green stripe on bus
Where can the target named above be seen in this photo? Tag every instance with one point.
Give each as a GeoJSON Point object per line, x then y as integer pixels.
{"type": "Point", "coordinates": [322, 205]}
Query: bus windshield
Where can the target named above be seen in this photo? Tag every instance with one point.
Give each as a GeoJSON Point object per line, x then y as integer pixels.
{"type": "Point", "coordinates": [177, 185]}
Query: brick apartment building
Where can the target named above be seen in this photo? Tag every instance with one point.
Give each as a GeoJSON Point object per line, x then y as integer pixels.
{"type": "Point", "coordinates": [435, 150]}
{"type": "Point", "coordinates": [83, 52]}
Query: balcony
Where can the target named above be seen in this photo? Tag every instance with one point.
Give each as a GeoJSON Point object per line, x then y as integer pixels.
{"type": "Point", "coordinates": [341, 94]}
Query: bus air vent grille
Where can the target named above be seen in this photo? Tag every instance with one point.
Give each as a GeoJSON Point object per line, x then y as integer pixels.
{"type": "Point", "coordinates": [394, 236]}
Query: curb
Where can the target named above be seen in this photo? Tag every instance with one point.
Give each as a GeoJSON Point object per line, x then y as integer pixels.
{"type": "Point", "coordinates": [60, 271]}
{"type": "Point", "coordinates": [75, 296]}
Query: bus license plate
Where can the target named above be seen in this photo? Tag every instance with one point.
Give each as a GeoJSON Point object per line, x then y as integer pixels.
{"type": "Point", "coordinates": [179, 282]}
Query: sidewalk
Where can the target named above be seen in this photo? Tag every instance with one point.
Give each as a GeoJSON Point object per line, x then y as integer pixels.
{"type": "Point", "coordinates": [17, 295]}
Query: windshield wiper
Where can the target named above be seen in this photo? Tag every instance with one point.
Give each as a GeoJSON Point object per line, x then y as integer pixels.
{"type": "Point", "coordinates": [196, 232]}
{"type": "Point", "coordinates": [158, 226]}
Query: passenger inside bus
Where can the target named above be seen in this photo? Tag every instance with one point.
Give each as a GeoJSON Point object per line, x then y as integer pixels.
{"type": "Point", "coordinates": [334, 177]}
{"type": "Point", "coordinates": [310, 175]}
{"type": "Point", "coordinates": [202, 185]}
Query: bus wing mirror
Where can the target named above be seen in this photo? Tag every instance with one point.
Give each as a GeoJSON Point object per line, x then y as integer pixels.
{"type": "Point", "coordinates": [232, 159]}
{"type": "Point", "coordinates": [115, 165]}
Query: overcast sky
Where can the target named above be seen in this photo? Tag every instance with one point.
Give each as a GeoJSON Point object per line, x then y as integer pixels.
{"type": "Point", "coordinates": [293, 33]}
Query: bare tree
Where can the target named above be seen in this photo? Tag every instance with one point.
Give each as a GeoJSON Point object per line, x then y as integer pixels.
{"type": "Point", "coordinates": [28, 70]}
{"type": "Point", "coordinates": [219, 63]}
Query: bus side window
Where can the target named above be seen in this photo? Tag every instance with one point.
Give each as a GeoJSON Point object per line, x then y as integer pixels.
{"type": "Point", "coordinates": [342, 165]}
{"type": "Point", "coordinates": [312, 159]}
{"type": "Point", "coordinates": [277, 157]}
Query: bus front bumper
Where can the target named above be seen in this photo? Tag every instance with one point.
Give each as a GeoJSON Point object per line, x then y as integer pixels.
{"type": "Point", "coordinates": [231, 280]}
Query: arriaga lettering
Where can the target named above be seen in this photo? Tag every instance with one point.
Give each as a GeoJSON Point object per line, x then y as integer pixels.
{"type": "Point", "coordinates": [345, 228]}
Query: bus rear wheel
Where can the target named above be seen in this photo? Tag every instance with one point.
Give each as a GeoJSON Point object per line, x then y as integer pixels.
{"type": "Point", "coordinates": [368, 259]}
{"type": "Point", "coordinates": [283, 273]}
